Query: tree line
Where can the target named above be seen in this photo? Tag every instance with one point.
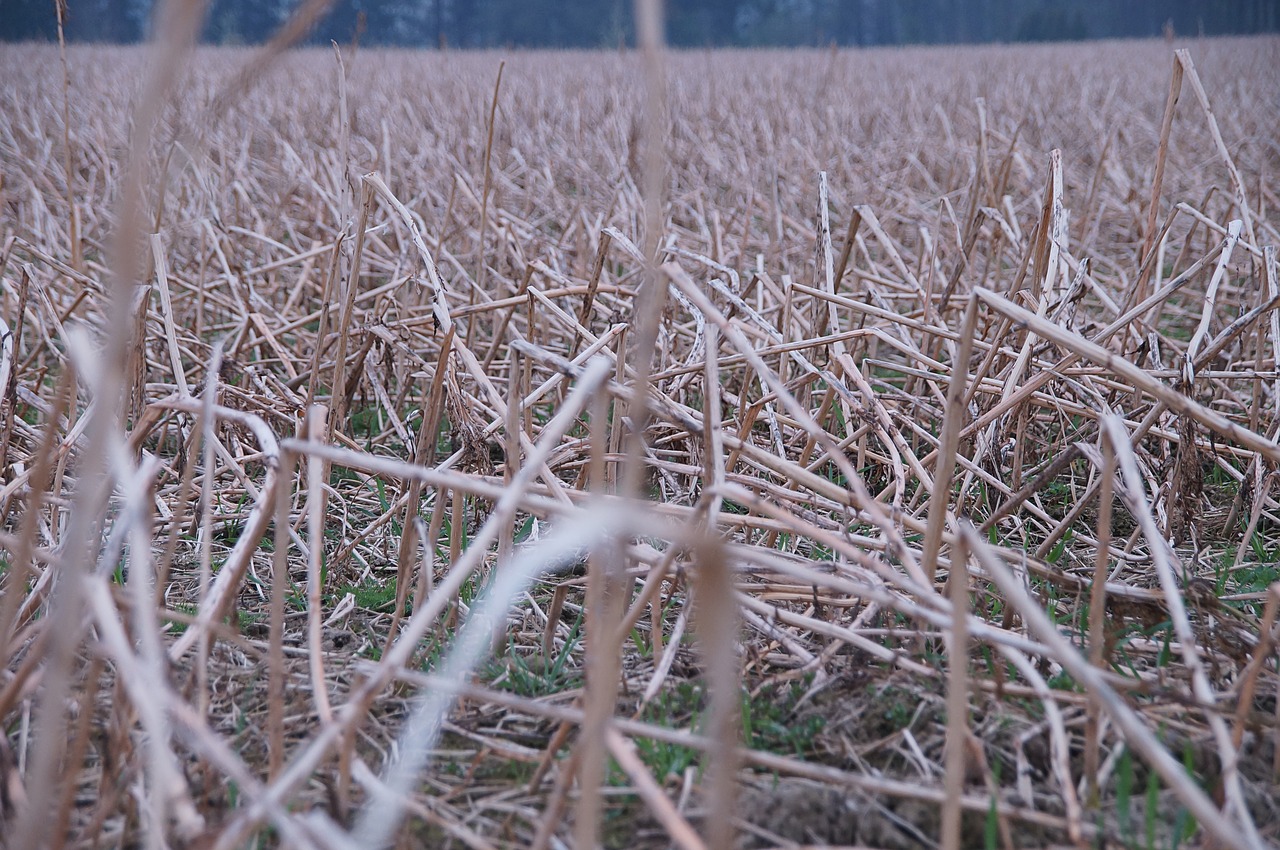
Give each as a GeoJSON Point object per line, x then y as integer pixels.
{"type": "Point", "coordinates": [690, 23]}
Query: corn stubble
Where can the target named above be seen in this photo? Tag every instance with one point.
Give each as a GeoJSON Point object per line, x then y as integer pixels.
{"type": "Point", "coordinates": [959, 449]}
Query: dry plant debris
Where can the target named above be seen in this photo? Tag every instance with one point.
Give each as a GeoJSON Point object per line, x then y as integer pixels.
{"type": "Point", "coordinates": [327, 521]}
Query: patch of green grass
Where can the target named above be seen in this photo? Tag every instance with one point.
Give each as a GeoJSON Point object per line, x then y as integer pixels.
{"type": "Point", "coordinates": [1124, 791]}
{"type": "Point", "coordinates": [523, 532]}
{"type": "Point", "coordinates": [229, 533]}
{"type": "Point", "coordinates": [446, 534]}
{"type": "Point", "coordinates": [1146, 835]}
{"type": "Point", "coordinates": [1120, 655]}
{"type": "Point", "coordinates": [380, 487]}
{"type": "Point", "coordinates": [991, 825]}
{"type": "Point", "coordinates": [1219, 477]}
{"type": "Point", "coordinates": [1256, 578]}
{"type": "Point", "coordinates": [538, 676]}
{"type": "Point", "coordinates": [1251, 578]}
{"type": "Point", "coordinates": [770, 721]}
{"type": "Point", "coordinates": [673, 708]}
{"type": "Point", "coordinates": [664, 758]}
{"type": "Point", "coordinates": [433, 650]}
{"type": "Point", "coordinates": [1059, 548]}
{"type": "Point", "coordinates": [339, 474]}
{"type": "Point", "coordinates": [366, 421]}
{"type": "Point", "coordinates": [894, 706]}
{"type": "Point", "coordinates": [1153, 803]}
{"type": "Point", "coordinates": [372, 595]}
{"type": "Point", "coordinates": [890, 377]}
{"type": "Point", "coordinates": [176, 627]}
{"type": "Point", "coordinates": [1064, 682]}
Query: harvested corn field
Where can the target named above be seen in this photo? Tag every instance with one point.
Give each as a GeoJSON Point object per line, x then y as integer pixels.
{"type": "Point", "coordinates": [700, 449]}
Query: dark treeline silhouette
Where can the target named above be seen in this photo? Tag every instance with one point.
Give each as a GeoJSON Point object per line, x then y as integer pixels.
{"type": "Point", "coordinates": [690, 23]}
